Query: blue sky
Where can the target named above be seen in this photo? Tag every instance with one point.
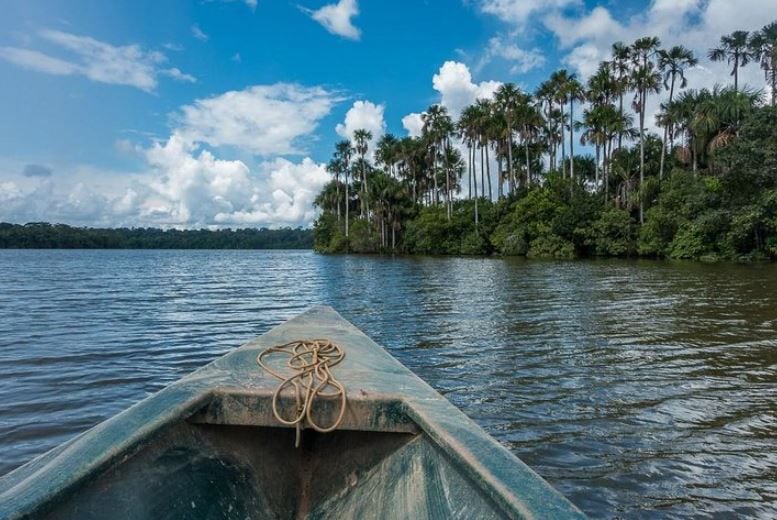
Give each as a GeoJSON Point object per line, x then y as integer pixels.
{"type": "Point", "coordinates": [221, 113]}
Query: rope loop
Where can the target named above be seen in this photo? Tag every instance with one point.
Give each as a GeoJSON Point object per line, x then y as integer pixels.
{"type": "Point", "coordinates": [311, 362]}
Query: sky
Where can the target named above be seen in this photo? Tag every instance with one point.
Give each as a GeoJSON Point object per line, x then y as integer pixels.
{"type": "Point", "coordinates": [223, 113]}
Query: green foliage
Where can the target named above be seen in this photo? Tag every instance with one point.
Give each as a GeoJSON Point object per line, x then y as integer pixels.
{"type": "Point", "coordinates": [551, 246]}
{"type": "Point", "coordinates": [727, 208]}
{"type": "Point", "coordinates": [48, 236]}
{"type": "Point", "coordinates": [613, 233]}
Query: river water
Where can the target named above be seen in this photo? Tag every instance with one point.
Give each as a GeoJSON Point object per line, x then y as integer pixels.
{"type": "Point", "coordinates": [639, 389]}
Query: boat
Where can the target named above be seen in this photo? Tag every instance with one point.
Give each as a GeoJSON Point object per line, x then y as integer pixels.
{"type": "Point", "coordinates": [215, 445]}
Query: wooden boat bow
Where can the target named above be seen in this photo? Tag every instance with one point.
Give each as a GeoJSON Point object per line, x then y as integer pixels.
{"type": "Point", "coordinates": [399, 443]}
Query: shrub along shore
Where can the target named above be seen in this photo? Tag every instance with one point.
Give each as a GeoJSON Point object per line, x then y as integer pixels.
{"type": "Point", "coordinates": [705, 188]}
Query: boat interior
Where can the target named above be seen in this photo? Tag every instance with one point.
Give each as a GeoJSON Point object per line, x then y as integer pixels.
{"type": "Point", "coordinates": [200, 470]}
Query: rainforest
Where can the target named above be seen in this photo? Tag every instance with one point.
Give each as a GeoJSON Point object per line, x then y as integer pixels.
{"type": "Point", "coordinates": [695, 179]}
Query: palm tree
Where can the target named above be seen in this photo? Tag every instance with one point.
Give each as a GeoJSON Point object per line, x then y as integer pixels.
{"type": "Point", "coordinates": [621, 66]}
{"type": "Point", "coordinates": [508, 99]}
{"type": "Point", "coordinates": [387, 153]}
{"type": "Point", "coordinates": [468, 131]}
{"type": "Point", "coordinates": [335, 167]}
{"type": "Point", "coordinates": [593, 125]}
{"type": "Point", "coordinates": [763, 45]}
{"type": "Point", "coordinates": [531, 122]}
{"type": "Point", "coordinates": [437, 130]}
{"type": "Point", "coordinates": [343, 151]}
{"type": "Point", "coordinates": [560, 81]}
{"type": "Point", "coordinates": [361, 139]}
{"type": "Point", "coordinates": [672, 63]}
{"type": "Point", "coordinates": [575, 92]}
{"type": "Point", "coordinates": [485, 112]}
{"type": "Point", "coordinates": [545, 95]}
{"type": "Point", "coordinates": [645, 80]}
{"type": "Point", "coordinates": [735, 50]}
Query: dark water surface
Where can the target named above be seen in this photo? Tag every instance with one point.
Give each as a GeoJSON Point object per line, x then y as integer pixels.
{"type": "Point", "coordinates": [639, 389]}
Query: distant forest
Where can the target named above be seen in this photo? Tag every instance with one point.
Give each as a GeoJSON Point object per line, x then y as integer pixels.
{"type": "Point", "coordinates": [60, 236]}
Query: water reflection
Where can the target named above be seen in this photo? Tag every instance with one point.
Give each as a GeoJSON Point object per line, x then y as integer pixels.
{"type": "Point", "coordinates": [640, 389]}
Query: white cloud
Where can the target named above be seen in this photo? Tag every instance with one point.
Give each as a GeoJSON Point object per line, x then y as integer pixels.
{"type": "Point", "coordinates": [519, 11]}
{"type": "Point", "coordinates": [176, 73]}
{"type": "Point", "coordinates": [336, 18]}
{"type": "Point", "coordinates": [186, 183]}
{"type": "Point", "coordinates": [199, 33]}
{"type": "Point", "coordinates": [262, 120]}
{"type": "Point", "coordinates": [414, 124]}
{"type": "Point", "coordinates": [363, 115]}
{"type": "Point", "coordinates": [99, 61]}
{"type": "Point", "coordinates": [289, 196]}
{"type": "Point", "coordinates": [454, 83]}
{"type": "Point", "coordinates": [38, 61]}
{"type": "Point", "coordinates": [522, 60]}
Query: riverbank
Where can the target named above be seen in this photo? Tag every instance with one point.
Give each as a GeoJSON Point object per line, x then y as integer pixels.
{"type": "Point", "coordinates": [690, 217]}
{"type": "Point", "coordinates": [41, 235]}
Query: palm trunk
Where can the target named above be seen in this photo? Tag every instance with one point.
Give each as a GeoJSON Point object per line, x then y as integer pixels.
{"type": "Point", "coordinates": [470, 163]}
{"type": "Point", "coordinates": [642, 155]}
{"type": "Point", "coordinates": [528, 161]}
{"type": "Point", "coordinates": [605, 168]}
{"type": "Point", "coordinates": [447, 181]}
{"type": "Point", "coordinates": [620, 109]}
{"type": "Point", "coordinates": [337, 187]}
{"type": "Point", "coordinates": [364, 183]}
{"type": "Point", "coordinates": [482, 173]}
{"type": "Point", "coordinates": [510, 157]}
{"type": "Point", "coordinates": [736, 72]}
{"type": "Point", "coordinates": [571, 138]}
{"type": "Point", "coordinates": [666, 133]}
{"type": "Point", "coordinates": [346, 202]}
{"type": "Point", "coordinates": [475, 182]}
{"type": "Point", "coordinates": [488, 175]}
{"type": "Point", "coordinates": [563, 146]}
{"type": "Point", "coordinates": [500, 180]}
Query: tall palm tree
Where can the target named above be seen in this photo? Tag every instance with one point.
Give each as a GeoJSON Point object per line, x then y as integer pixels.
{"type": "Point", "coordinates": [763, 45]}
{"type": "Point", "coordinates": [335, 167]}
{"type": "Point", "coordinates": [437, 130]}
{"type": "Point", "coordinates": [645, 81]}
{"type": "Point", "coordinates": [672, 63]}
{"type": "Point", "coordinates": [508, 99]}
{"type": "Point", "coordinates": [545, 95]}
{"type": "Point", "coordinates": [361, 139]}
{"type": "Point", "coordinates": [468, 125]}
{"type": "Point", "coordinates": [344, 150]}
{"type": "Point", "coordinates": [621, 66]}
{"type": "Point", "coordinates": [735, 50]}
{"type": "Point", "coordinates": [594, 133]}
{"type": "Point", "coordinates": [485, 111]}
{"type": "Point", "coordinates": [531, 122]}
{"type": "Point", "coordinates": [387, 153]}
{"type": "Point", "coordinates": [575, 92]}
{"type": "Point", "coordinates": [560, 81]}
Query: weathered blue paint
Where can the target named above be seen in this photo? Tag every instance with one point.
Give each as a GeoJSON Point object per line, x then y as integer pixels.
{"type": "Point", "coordinates": [208, 446]}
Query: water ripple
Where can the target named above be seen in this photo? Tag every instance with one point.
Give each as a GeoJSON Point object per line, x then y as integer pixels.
{"type": "Point", "coordinates": [639, 389]}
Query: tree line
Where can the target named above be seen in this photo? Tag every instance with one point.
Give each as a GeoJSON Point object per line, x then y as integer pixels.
{"type": "Point", "coordinates": [61, 236]}
{"type": "Point", "coordinates": [504, 177]}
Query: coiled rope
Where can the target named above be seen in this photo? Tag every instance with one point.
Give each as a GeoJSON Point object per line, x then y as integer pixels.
{"type": "Point", "coordinates": [311, 362]}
